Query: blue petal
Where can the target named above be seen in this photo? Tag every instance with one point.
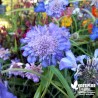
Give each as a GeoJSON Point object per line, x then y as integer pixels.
{"type": "Point", "coordinates": [25, 53]}
{"type": "Point", "coordinates": [4, 93]}
{"type": "Point", "coordinates": [40, 7]}
{"type": "Point", "coordinates": [62, 47]}
{"type": "Point", "coordinates": [69, 61]}
{"type": "Point", "coordinates": [65, 63]}
{"type": "Point", "coordinates": [71, 56]}
{"type": "Point", "coordinates": [93, 36]}
{"type": "Point", "coordinates": [76, 76]}
{"type": "Point", "coordinates": [31, 59]}
{"type": "Point", "coordinates": [44, 63]}
{"type": "Point", "coordinates": [81, 58]}
{"type": "Point", "coordinates": [96, 53]}
{"type": "Point", "coordinates": [54, 60]}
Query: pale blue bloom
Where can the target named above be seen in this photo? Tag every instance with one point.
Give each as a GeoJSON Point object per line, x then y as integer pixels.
{"type": "Point", "coordinates": [68, 62]}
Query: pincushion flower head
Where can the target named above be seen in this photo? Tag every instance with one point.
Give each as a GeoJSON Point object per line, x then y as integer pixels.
{"type": "Point", "coordinates": [34, 68]}
{"type": "Point", "coordinates": [55, 8]}
{"type": "Point", "coordinates": [46, 44]}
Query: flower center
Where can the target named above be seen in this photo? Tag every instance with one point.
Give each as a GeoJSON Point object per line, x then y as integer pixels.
{"type": "Point", "coordinates": [44, 45]}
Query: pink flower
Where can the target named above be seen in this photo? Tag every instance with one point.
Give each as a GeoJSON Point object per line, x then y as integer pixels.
{"type": "Point", "coordinates": [34, 68]}
{"type": "Point", "coordinates": [16, 64]}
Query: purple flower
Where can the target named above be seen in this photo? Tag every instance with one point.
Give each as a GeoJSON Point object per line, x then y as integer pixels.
{"type": "Point", "coordinates": [35, 68]}
{"type": "Point", "coordinates": [40, 7]}
{"type": "Point", "coordinates": [88, 71]}
{"type": "Point", "coordinates": [46, 44]}
{"type": "Point", "coordinates": [4, 53]}
{"type": "Point", "coordinates": [16, 64]}
{"type": "Point", "coordinates": [85, 71]}
{"type": "Point", "coordinates": [55, 8]}
{"type": "Point", "coordinates": [4, 92]}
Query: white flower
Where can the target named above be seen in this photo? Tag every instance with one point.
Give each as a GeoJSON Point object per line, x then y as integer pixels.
{"type": "Point", "coordinates": [77, 12]}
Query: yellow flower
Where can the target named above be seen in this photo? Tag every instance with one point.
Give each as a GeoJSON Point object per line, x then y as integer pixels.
{"type": "Point", "coordinates": [9, 4]}
{"type": "Point", "coordinates": [4, 22]}
{"type": "Point", "coordinates": [44, 15]}
{"type": "Point", "coordinates": [71, 5]}
{"type": "Point", "coordinates": [66, 21]}
{"type": "Point", "coordinates": [8, 8]}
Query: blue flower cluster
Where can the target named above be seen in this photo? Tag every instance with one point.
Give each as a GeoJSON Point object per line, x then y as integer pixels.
{"type": "Point", "coordinates": [53, 8]}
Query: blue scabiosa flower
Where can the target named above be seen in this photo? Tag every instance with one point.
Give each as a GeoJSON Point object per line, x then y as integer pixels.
{"type": "Point", "coordinates": [46, 44]}
{"type": "Point", "coordinates": [55, 8]}
{"type": "Point", "coordinates": [40, 7]}
{"type": "Point", "coordinates": [4, 92]}
{"type": "Point", "coordinates": [94, 34]}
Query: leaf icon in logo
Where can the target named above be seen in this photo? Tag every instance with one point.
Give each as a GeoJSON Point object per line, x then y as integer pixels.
{"type": "Point", "coordinates": [75, 85]}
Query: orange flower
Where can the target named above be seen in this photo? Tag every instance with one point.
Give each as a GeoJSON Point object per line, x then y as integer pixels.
{"type": "Point", "coordinates": [95, 11]}
{"type": "Point", "coordinates": [85, 22]}
{"type": "Point", "coordinates": [90, 26]}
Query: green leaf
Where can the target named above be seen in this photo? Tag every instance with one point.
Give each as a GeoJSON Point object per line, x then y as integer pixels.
{"type": "Point", "coordinates": [47, 83]}
{"type": "Point", "coordinates": [38, 92]}
{"type": "Point", "coordinates": [63, 81]}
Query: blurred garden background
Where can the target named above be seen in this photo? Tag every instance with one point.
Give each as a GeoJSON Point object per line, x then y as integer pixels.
{"type": "Point", "coordinates": [48, 48]}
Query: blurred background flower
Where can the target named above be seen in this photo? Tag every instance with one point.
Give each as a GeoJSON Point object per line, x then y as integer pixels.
{"type": "Point", "coordinates": [4, 53]}
{"type": "Point", "coordinates": [4, 92]}
{"type": "Point", "coordinates": [37, 69]}
{"type": "Point", "coordinates": [66, 21]}
{"type": "Point", "coordinates": [55, 8]}
{"type": "Point", "coordinates": [16, 64]}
